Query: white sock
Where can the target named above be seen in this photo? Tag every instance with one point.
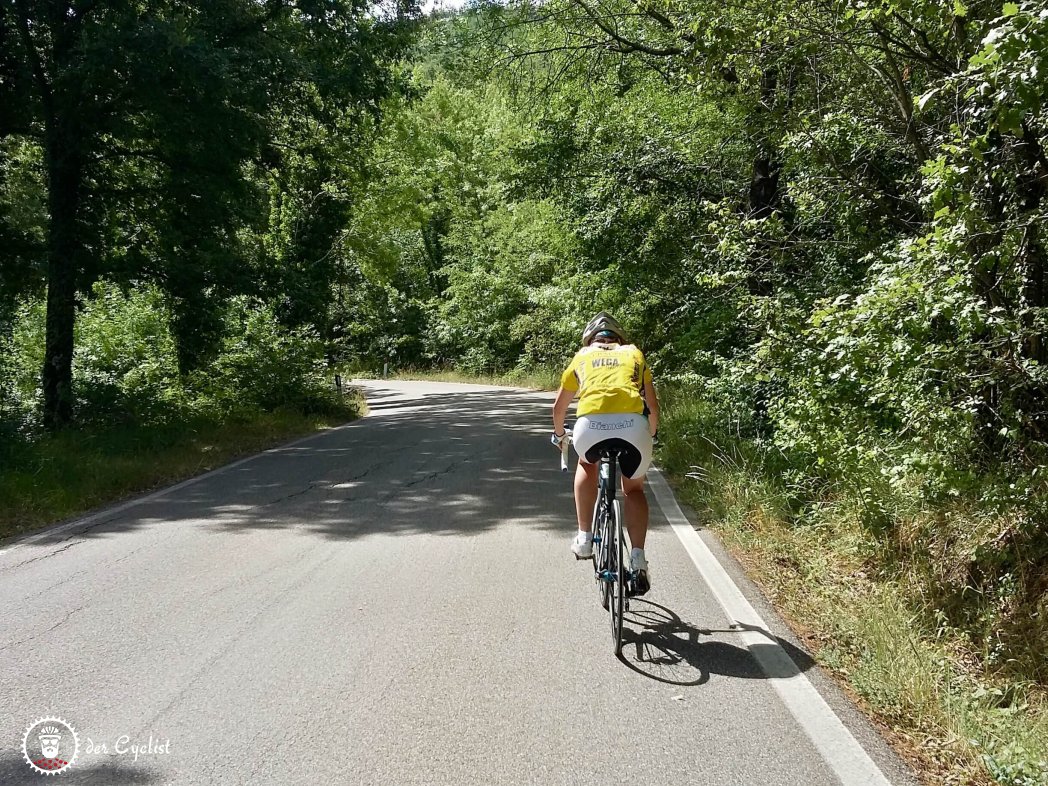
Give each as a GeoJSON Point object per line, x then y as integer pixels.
{"type": "Point", "coordinates": [637, 558]}
{"type": "Point", "coordinates": [585, 537]}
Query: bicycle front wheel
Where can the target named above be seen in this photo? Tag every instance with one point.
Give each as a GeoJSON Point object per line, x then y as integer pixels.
{"type": "Point", "coordinates": [601, 549]}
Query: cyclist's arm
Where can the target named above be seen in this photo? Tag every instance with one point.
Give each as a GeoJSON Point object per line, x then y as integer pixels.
{"type": "Point", "coordinates": [560, 409]}
{"type": "Point", "coordinates": [652, 401]}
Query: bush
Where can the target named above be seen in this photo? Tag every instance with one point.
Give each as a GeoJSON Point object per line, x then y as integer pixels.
{"type": "Point", "coordinates": [266, 366]}
{"type": "Point", "coordinates": [125, 367]}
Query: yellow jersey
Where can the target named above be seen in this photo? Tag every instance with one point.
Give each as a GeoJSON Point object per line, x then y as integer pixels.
{"type": "Point", "coordinates": [609, 379]}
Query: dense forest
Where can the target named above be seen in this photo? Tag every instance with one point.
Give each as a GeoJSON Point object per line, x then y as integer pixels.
{"type": "Point", "coordinates": [824, 223]}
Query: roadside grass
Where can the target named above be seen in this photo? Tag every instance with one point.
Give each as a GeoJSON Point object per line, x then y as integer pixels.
{"type": "Point", "coordinates": [861, 613]}
{"type": "Point", "coordinates": [69, 473]}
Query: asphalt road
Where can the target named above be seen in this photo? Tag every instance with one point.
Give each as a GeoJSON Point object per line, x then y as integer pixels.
{"type": "Point", "coordinates": [394, 602]}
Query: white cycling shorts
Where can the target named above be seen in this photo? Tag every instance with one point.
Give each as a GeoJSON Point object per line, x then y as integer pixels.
{"type": "Point", "coordinates": [628, 432]}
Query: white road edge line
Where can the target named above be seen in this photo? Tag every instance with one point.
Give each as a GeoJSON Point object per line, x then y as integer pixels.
{"type": "Point", "coordinates": [838, 747]}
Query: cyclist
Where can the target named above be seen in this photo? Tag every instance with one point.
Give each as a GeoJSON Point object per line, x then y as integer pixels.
{"type": "Point", "coordinates": [617, 407]}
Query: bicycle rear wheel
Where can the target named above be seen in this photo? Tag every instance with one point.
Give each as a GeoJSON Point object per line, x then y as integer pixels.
{"type": "Point", "coordinates": [617, 585]}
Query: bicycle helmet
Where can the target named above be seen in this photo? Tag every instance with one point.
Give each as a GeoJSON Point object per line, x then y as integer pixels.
{"type": "Point", "coordinates": [603, 323]}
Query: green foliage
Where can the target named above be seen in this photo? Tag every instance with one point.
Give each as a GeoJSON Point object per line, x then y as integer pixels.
{"type": "Point", "coordinates": [22, 222]}
{"type": "Point", "coordinates": [127, 366]}
{"type": "Point", "coordinates": [126, 361]}
{"type": "Point", "coordinates": [499, 264]}
{"type": "Point", "coordinates": [265, 366]}
{"type": "Point", "coordinates": [867, 383]}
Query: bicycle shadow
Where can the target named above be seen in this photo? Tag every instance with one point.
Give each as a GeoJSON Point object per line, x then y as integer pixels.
{"type": "Point", "coordinates": [659, 645]}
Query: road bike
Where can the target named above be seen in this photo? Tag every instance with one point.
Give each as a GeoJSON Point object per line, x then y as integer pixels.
{"type": "Point", "coordinates": [609, 569]}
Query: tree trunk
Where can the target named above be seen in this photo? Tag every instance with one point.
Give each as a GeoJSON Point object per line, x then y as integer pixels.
{"type": "Point", "coordinates": [1034, 294]}
{"type": "Point", "coordinates": [764, 187]}
{"type": "Point", "coordinates": [764, 183]}
{"type": "Point", "coordinates": [64, 172]}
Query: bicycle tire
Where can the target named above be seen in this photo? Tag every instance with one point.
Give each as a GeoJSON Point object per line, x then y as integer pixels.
{"type": "Point", "coordinates": [617, 587]}
{"type": "Point", "coordinates": [600, 551]}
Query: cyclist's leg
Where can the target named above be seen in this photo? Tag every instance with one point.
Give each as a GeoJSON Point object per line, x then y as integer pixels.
{"type": "Point", "coordinates": [635, 463]}
{"type": "Point", "coordinates": [584, 437]}
{"type": "Point", "coordinates": [635, 510]}
{"type": "Point", "coordinates": [634, 467]}
{"type": "Point", "coordinates": [636, 513]}
{"type": "Point", "coordinates": [585, 493]}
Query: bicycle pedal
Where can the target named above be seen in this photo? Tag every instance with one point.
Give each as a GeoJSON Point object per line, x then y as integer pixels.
{"type": "Point", "coordinates": [632, 590]}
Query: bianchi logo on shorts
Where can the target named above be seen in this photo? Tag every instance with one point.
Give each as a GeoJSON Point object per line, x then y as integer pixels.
{"type": "Point", "coordinates": [620, 426]}
{"type": "Point", "coordinates": [50, 745]}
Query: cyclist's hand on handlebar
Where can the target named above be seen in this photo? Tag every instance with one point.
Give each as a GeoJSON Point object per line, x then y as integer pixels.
{"type": "Point", "coordinates": [558, 439]}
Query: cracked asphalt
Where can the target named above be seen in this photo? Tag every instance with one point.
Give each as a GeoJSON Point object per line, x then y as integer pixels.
{"type": "Point", "coordinates": [391, 602]}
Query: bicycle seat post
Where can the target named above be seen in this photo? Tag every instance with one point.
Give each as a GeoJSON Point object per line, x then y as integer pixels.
{"type": "Point", "coordinates": [608, 460]}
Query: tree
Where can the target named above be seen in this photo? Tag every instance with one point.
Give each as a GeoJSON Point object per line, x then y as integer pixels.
{"type": "Point", "coordinates": [146, 114]}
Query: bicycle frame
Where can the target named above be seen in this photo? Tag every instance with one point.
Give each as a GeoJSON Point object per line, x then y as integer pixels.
{"type": "Point", "coordinates": [609, 569]}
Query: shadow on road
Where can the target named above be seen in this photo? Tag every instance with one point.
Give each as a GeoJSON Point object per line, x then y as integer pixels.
{"type": "Point", "coordinates": [660, 645]}
{"type": "Point", "coordinates": [106, 772]}
{"type": "Point", "coordinates": [454, 463]}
